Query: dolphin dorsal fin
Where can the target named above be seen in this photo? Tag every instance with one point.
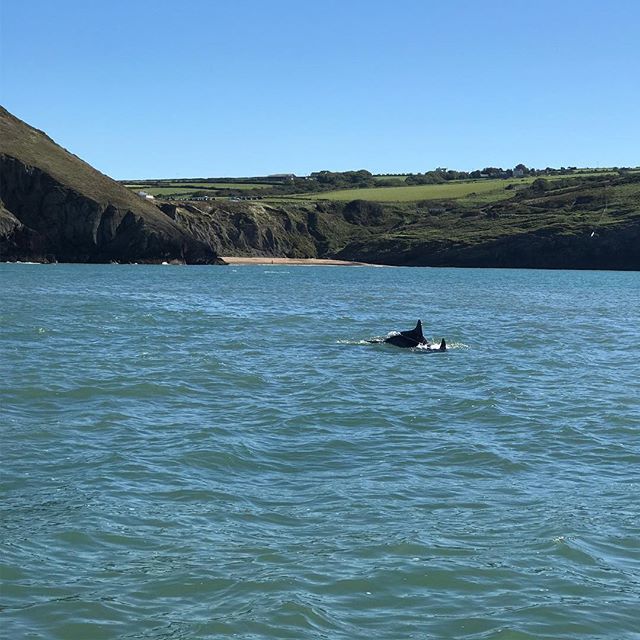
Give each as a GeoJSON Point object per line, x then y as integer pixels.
{"type": "Point", "coordinates": [415, 334]}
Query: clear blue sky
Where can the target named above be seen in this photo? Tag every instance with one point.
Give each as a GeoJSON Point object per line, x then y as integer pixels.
{"type": "Point", "coordinates": [153, 88]}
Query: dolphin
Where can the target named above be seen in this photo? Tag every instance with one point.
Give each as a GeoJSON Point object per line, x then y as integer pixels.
{"type": "Point", "coordinates": [408, 339]}
{"type": "Point", "coordinates": [413, 338]}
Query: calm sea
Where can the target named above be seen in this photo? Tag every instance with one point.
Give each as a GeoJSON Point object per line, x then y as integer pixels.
{"type": "Point", "coordinates": [208, 452]}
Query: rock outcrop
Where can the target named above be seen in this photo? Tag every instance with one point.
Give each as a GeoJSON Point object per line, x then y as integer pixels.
{"type": "Point", "coordinates": [55, 207]}
{"type": "Point", "coordinates": [259, 229]}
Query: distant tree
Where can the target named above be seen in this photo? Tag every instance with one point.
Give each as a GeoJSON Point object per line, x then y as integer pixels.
{"type": "Point", "coordinates": [430, 177]}
{"type": "Point", "coordinates": [344, 179]}
{"type": "Point", "coordinates": [493, 172]}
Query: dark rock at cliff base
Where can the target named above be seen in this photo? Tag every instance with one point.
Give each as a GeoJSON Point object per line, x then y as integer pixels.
{"type": "Point", "coordinates": [55, 207]}
{"type": "Point", "coordinates": [615, 247]}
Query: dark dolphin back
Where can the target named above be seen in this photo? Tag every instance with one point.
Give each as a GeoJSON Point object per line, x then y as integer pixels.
{"type": "Point", "coordinates": [408, 338]}
{"type": "Point", "coordinates": [415, 334]}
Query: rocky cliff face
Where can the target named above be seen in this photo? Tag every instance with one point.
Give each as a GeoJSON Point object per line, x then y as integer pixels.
{"type": "Point", "coordinates": [53, 206]}
{"type": "Point", "coordinates": [257, 229]}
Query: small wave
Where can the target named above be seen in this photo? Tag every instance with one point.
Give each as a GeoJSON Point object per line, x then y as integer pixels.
{"type": "Point", "coordinates": [457, 345]}
{"type": "Point", "coordinates": [433, 346]}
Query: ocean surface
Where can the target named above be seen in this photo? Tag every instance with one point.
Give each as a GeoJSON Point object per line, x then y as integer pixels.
{"type": "Point", "coordinates": [210, 452]}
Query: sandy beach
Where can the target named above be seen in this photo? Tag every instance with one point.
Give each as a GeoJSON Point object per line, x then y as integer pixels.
{"type": "Point", "coordinates": [293, 261]}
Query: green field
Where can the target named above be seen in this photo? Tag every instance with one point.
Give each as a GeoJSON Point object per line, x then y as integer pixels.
{"type": "Point", "coordinates": [181, 188]}
{"type": "Point", "coordinates": [164, 191]}
{"type": "Point", "coordinates": [475, 191]}
{"type": "Point", "coordinates": [240, 186]}
{"type": "Point", "coordinates": [445, 191]}
{"type": "Point", "coordinates": [479, 191]}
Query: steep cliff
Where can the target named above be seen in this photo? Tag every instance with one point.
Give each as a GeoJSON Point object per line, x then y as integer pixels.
{"type": "Point", "coordinates": [259, 229]}
{"type": "Point", "coordinates": [54, 206]}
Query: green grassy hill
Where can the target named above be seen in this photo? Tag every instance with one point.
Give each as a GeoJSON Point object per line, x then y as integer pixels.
{"type": "Point", "coordinates": [379, 188]}
{"type": "Point", "coordinates": [580, 222]}
{"type": "Point", "coordinates": [494, 189]}
{"type": "Point", "coordinates": [54, 206]}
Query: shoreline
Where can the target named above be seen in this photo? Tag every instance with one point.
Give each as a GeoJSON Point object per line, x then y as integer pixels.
{"type": "Point", "coordinates": [320, 262]}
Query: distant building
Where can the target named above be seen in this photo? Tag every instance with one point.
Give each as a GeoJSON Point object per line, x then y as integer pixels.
{"type": "Point", "coordinates": [518, 173]}
{"type": "Point", "coordinates": [145, 196]}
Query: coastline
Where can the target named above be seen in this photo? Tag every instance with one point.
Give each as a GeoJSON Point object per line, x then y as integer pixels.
{"type": "Point", "coordinates": [320, 262]}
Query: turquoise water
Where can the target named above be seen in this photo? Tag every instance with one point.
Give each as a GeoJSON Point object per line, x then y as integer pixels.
{"type": "Point", "coordinates": [207, 452]}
